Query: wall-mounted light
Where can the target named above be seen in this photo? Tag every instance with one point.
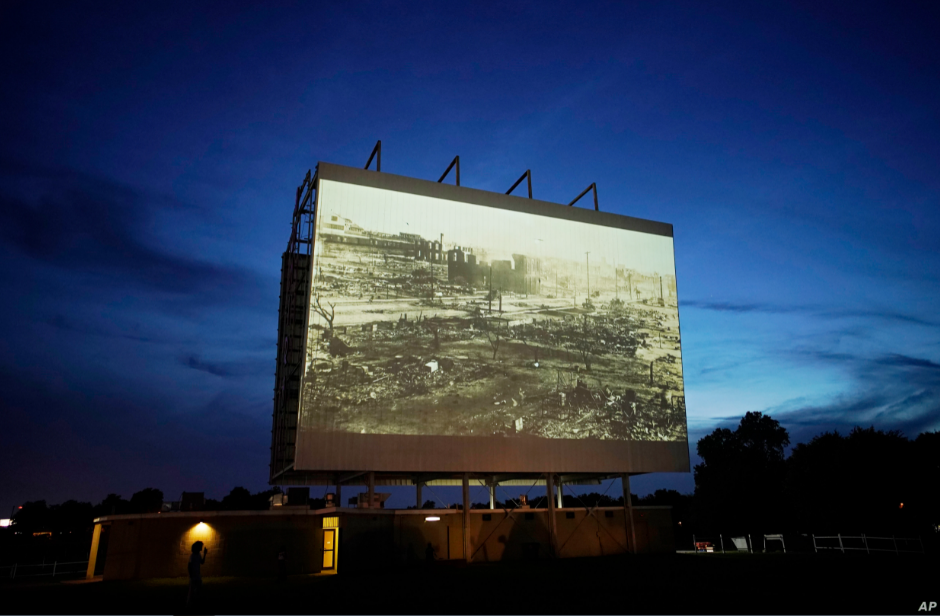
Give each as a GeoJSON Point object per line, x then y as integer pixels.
{"type": "Point", "coordinates": [432, 518]}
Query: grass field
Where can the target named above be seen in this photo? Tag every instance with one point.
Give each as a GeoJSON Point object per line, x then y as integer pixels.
{"type": "Point", "coordinates": [680, 583]}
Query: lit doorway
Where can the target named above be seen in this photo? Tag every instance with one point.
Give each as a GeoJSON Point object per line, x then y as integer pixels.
{"type": "Point", "coordinates": [329, 549]}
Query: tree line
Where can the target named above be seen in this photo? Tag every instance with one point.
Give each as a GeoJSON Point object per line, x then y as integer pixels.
{"type": "Point", "coordinates": [867, 481]}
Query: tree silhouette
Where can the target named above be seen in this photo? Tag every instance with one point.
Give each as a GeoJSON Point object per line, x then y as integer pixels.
{"type": "Point", "coordinates": [148, 500]}
{"type": "Point", "coordinates": [112, 504]}
{"type": "Point", "coordinates": [238, 499]}
{"type": "Point", "coordinates": [739, 484]}
{"type": "Point", "coordinates": [493, 334]}
{"type": "Point", "coordinates": [856, 483]}
{"type": "Point", "coordinates": [328, 314]}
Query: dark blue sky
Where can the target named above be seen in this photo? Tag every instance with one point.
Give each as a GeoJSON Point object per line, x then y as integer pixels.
{"type": "Point", "coordinates": [149, 156]}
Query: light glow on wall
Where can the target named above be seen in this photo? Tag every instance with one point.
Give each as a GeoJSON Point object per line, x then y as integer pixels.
{"type": "Point", "coordinates": [201, 532]}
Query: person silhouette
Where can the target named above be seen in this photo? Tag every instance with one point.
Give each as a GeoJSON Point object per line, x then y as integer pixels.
{"type": "Point", "coordinates": [429, 553]}
{"type": "Point", "coordinates": [196, 560]}
{"type": "Point", "coordinates": [282, 564]}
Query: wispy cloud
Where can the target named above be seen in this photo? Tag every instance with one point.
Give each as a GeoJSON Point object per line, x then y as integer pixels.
{"type": "Point", "coordinates": [226, 369]}
{"type": "Point", "coordinates": [65, 323]}
{"type": "Point", "coordinates": [721, 368]}
{"type": "Point", "coordinates": [890, 391]}
{"type": "Point", "coordinates": [814, 310]}
{"type": "Point", "coordinates": [78, 223]}
{"type": "Point", "coordinates": [903, 360]}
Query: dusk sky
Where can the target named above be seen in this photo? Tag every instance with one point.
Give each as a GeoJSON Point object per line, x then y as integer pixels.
{"type": "Point", "coordinates": [149, 156]}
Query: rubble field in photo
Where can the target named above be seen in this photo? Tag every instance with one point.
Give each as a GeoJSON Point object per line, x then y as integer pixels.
{"type": "Point", "coordinates": [396, 348]}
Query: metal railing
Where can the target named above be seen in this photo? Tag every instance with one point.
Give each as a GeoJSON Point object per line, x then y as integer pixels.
{"type": "Point", "coordinates": [52, 569]}
{"type": "Point", "coordinates": [863, 543]}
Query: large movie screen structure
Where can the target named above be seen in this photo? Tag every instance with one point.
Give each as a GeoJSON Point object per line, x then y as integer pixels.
{"type": "Point", "coordinates": [454, 330]}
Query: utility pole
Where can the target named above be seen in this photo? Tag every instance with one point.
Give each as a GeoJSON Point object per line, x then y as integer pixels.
{"type": "Point", "coordinates": [588, 257]}
{"type": "Point", "coordinates": [490, 295]}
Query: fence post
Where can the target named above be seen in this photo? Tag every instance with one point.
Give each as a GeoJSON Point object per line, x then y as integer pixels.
{"type": "Point", "coordinates": [895, 544]}
{"type": "Point", "coordinates": [694, 548]}
{"type": "Point", "coordinates": [53, 567]}
{"type": "Point", "coordinates": [13, 573]}
{"type": "Point", "coordinates": [722, 539]}
{"type": "Point", "coordinates": [750, 542]}
{"type": "Point", "coordinates": [865, 541]}
{"type": "Point", "coordinates": [841, 547]}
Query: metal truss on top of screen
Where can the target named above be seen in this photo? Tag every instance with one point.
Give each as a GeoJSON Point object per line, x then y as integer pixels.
{"type": "Point", "coordinates": [377, 154]}
{"type": "Point", "coordinates": [526, 175]}
{"type": "Point", "coordinates": [593, 187]}
{"type": "Point", "coordinates": [454, 162]}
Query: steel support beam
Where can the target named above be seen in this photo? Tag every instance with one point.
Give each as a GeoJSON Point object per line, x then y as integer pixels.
{"type": "Point", "coordinates": [371, 495]}
{"type": "Point", "coordinates": [514, 477]}
{"type": "Point", "coordinates": [629, 527]}
{"type": "Point", "coordinates": [466, 517]}
{"type": "Point", "coordinates": [583, 478]}
{"type": "Point", "coordinates": [552, 526]}
{"type": "Point", "coordinates": [348, 476]}
{"type": "Point", "coordinates": [430, 478]}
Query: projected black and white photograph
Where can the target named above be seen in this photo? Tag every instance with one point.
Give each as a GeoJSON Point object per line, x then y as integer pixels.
{"type": "Point", "coordinates": [435, 317]}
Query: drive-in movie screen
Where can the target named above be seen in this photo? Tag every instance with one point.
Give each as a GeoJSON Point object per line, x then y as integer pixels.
{"type": "Point", "coordinates": [436, 317]}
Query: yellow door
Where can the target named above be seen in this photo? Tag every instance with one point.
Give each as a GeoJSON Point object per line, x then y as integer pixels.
{"type": "Point", "coordinates": [329, 548]}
